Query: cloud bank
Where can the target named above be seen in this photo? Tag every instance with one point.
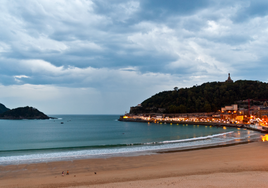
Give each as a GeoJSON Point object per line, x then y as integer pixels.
{"type": "Point", "coordinates": [114, 54]}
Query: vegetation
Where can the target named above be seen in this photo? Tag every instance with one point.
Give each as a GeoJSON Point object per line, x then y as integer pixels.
{"type": "Point", "coordinates": [23, 113]}
{"type": "Point", "coordinates": [207, 97]}
{"type": "Point", "coordinates": [3, 108]}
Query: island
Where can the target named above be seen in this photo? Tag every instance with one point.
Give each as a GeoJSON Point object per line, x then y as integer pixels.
{"type": "Point", "coordinates": [22, 113]}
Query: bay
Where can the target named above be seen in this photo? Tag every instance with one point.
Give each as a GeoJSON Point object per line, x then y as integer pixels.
{"type": "Point", "coordinates": [92, 136]}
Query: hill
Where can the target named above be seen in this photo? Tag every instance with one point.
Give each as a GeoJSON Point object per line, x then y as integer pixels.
{"type": "Point", "coordinates": [3, 108]}
{"type": "Point", "coordinates": [23, 113]}
{"type": "Point", "coordinates": [207, 97]}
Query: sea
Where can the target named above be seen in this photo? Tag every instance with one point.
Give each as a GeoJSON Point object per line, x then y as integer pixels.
{"type": "Point", "coordinates": [72, 137]}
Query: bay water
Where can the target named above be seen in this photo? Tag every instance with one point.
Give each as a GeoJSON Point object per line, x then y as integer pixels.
{"type": "Point", "coordinates": [71, 137]}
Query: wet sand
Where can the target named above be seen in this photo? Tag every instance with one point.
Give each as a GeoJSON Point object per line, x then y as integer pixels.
{"type": "Point", "coordinates": [234, 166]}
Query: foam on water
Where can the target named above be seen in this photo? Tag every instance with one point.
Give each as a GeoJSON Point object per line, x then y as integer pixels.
{"type": "Point", "coordinates": [134, 149]}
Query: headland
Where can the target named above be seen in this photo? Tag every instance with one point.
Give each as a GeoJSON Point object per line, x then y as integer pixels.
{"type": "Point", "coordinates": [225, 104]}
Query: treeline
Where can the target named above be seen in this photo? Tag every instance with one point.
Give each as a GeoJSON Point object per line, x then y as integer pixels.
{"type": "Point", "coordinates": [3, 108]}
{"type": "Point", "coordinates": [23, 113]}
{"type": "Point", "coordinates": [207, 97]}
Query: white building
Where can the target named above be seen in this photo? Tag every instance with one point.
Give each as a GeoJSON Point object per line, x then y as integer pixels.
{"type": "Point", "coordinates": [233, 107]}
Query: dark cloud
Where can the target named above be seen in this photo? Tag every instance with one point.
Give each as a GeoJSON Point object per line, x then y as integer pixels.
{"type": "Point", "coordinates": [149, 10]}
{"type": "Point", "coordinates": [101, 51]}
{"type": "Point", "coordinates": [149, 35]}
{"type": "Point", "coordinates": [251, 9]}
{"type": "Point", "coordinates": [178, 7]}
{"type": "Point", "coordinates": [193, 24]}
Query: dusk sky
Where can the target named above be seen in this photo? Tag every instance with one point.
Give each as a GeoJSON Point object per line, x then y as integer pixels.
{"type": "Point", "coordinates": [103, 56]}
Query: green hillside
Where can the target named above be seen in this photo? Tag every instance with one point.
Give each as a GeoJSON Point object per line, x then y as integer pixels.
{"type": "Point", "coordinates": [204, 98]}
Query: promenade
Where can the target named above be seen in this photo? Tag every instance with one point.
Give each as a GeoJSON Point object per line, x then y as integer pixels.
{"type": "Point", "coordinates": [254, 127]}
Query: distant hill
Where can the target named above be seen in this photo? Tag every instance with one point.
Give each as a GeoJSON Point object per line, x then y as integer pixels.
{"type": "Point", "coordinates": [207, 97]}
{"type": "Point", "coordinates": [23, 113]}
{"type": "Point", "coordinates": [3, 108]}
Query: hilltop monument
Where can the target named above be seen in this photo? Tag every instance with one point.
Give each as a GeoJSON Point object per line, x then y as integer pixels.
{"type": "Point", "coordinates": [229, 79]}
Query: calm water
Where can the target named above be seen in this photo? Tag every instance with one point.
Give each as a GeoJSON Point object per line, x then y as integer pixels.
{"type": "Point", "coordinates": [91, 136]}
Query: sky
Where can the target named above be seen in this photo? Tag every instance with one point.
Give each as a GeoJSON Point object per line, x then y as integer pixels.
{"type": "Point", "coordinates": [103, 56]}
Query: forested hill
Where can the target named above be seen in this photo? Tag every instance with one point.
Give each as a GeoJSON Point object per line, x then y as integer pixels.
{"type": "Point", "coordinates": [3, 108]}
{"type": "Point", "coordinates": [207, 97]}
{"type": "Point", "coordinates": [23, 113]}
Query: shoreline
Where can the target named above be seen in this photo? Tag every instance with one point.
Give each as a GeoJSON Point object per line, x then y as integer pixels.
{"type": "Point", "coordinates": [232, 161]}
{"type": "Point", "coordinates": [205, 147]}
{"type": "Point", "coordinates": [199, 143]}
{"type": "Point", "coordinates": [214, 124]}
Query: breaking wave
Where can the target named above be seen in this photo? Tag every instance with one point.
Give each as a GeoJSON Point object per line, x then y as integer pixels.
{"type": "Point", "coordinates": [104, 151]}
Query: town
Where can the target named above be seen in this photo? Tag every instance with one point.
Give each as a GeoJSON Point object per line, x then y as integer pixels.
{"type": "Point", "coordinates": [255, 117]}
{"type": "Point", "coordinates": [248, 113]}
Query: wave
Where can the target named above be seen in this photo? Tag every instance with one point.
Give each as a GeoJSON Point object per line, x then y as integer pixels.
{"type": "Point", "coordinates": [71, 153]}
{"type": "Point", "coordinates": [117, 145]}
{"type": "Point", "coordinates": [194, 139]}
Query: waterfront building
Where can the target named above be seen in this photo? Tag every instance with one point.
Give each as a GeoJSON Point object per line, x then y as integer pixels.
{"type": "Point", "coordinates": [262, 112]}
{"type": "Point", "coordinates": [229, 109]}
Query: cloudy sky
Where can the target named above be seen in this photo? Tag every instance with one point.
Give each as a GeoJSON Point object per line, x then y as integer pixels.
{"type": "Point", "coordinates": [103, 56]}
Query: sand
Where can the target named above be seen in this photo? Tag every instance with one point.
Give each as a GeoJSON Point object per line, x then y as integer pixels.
{"type": "Point", "coordinates": [244, 165]}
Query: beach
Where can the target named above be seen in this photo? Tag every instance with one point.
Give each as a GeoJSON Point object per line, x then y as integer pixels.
{"type": "Point", "coordinates": [236, 166]}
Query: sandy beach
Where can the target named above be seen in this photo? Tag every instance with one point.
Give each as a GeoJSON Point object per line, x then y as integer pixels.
{"type": "Point", "coordinates": [243, 165]}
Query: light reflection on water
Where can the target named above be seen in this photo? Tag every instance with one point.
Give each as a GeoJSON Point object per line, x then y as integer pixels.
{"type": "Point", "coordinates": [137, 138]}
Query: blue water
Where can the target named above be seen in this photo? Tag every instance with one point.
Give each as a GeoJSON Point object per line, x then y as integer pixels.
{"type": "Point", "coordinates": [91, 136]}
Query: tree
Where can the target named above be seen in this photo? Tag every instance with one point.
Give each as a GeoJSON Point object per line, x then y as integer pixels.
{"type": "Point", "coordinates": [207, 107]}
{"type": "Point", "coordinates": [207, 97]}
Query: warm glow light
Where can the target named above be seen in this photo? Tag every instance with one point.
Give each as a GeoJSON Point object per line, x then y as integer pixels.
{"type": "Point", "coordinates": [224, 127]}
{"type": "Point", "coordinates": [264, 138]}
{"type": "Point", "coordinates": [125, 117]}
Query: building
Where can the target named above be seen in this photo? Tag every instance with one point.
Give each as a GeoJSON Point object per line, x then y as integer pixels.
{"type": "Point", "coordinates": [229, 109]}
{"type": "Point", "coordinates": [229, 112]}
{"type": "Point", "coordinates": [262, 112]}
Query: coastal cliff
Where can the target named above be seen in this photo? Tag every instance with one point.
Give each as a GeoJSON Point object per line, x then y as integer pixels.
{"type": "Point", "coordinates": [23, 113]}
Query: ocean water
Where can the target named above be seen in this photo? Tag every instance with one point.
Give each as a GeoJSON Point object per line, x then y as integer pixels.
{"type": "Point", "coordinates": [73, 137]}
